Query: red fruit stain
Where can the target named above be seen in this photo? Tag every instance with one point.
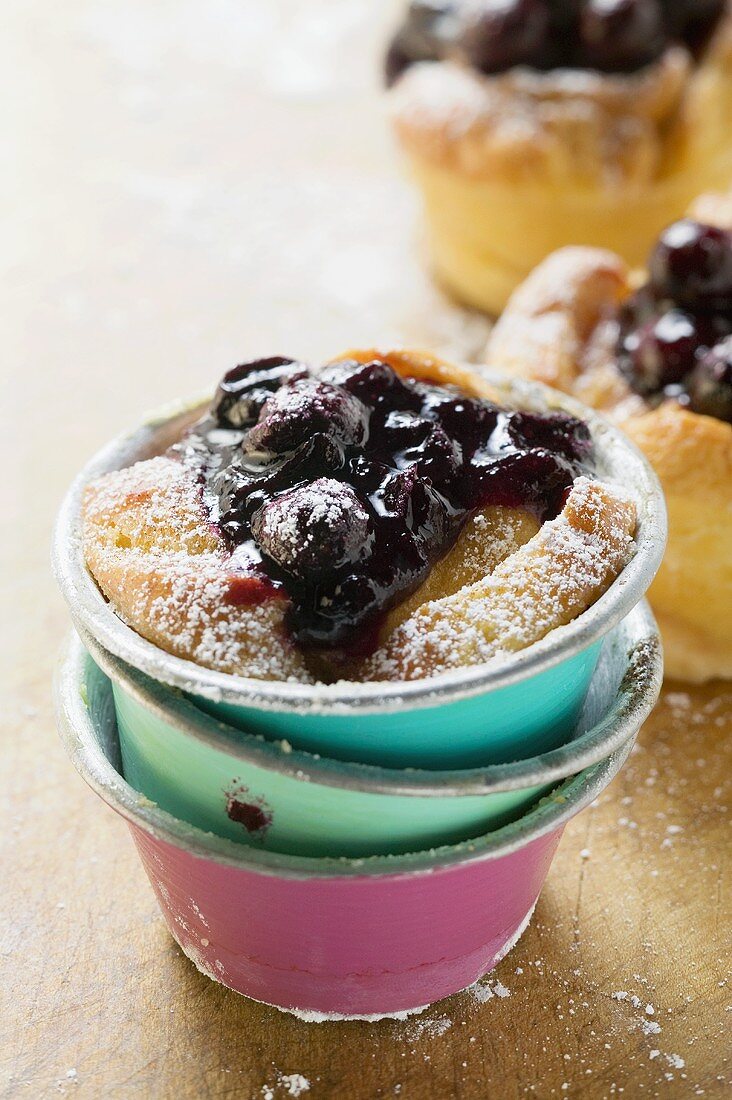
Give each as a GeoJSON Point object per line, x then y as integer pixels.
{"type": "Point", "coordinates": [249, 591]}
{"type": "Point", "coordinates": [256, 817]}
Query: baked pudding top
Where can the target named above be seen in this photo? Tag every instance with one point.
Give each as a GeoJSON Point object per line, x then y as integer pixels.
{"type": "Point", "coordinates": [617, 91]}
{"type": "Point", "coordinates": [344, 523]}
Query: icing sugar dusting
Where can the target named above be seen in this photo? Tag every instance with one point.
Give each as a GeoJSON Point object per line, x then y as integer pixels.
{"type": "Point", "coordinates": [486, 991]}
{"type": "Point", "coordinates": [430, 1029]}
{"type": "Point", "coordinates": [294, 1084]}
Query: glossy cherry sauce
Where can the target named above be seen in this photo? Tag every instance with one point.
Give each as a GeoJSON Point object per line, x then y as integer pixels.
{"type": "Point", "coordinates": [341, 490]}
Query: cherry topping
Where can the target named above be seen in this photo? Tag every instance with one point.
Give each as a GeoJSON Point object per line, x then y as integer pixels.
{"type": "Point", "coordinates": [505, 33]}
{"type": "Point", "coordinates": [693, 20]}
{"type": "Point", "coordinates": [374, 383]}
{"type": "Point", "coordinates": [621, 35]}
{"type": "Point", "coordinates": [495, 35]}
{"type": "Point", "coordinates": [351, 484]}
{"type": "Point", "coordinates": [664, 349]}
{"type": "Point", "coordinates": [710, 383]}
{"type": "Point", "coordinates": [418, 441]}
{"type": "Point", "coordinates": [556, 432]}
{"type": "Point", "coordinates": [692, 264]}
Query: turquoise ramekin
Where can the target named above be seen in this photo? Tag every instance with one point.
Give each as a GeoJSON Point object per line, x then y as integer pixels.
{"type": "Point", "coordinates": [264, 793]}
{"type": "Point", "coordinates": [504, 710]}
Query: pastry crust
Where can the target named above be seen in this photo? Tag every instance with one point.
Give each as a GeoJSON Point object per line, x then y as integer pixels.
{"type": "Point", "coordinates": [567, 156]}
{"type": "Point", "coordinates": [150, 548]}
{"type": "Point", "coordinates": [149, 545]}
{"type": "Point", "coordinates": [545, 584]}
{"type": "Point", "coordinates": [691, 453]}
{"type": "Point", "coordinates": [487, 539]}
{"type": "Point", "coordinates": [554, 314]}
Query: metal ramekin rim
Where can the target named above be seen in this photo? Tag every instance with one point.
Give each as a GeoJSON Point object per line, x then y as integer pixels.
{"type": "Point", "coordinates": [79, 738]}
{"type": "Point", "coordinates": [635, 698]}
{"type": "Point", "coordinates": [95, 616]}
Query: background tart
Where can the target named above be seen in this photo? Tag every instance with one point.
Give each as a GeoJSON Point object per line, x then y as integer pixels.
{"type": "Point", "coordinates": [660, 366]}
{"type": "Point", "coordinates": [527, 128]}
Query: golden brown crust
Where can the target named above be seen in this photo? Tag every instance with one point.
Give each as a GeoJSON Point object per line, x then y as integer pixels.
{"type": "Point", "coordinates": [550, 318]}
{"type": "Point", "coordinates": [562, 125]}
{"type": "Point", "coordinates": [150, 548]}
{"type": "Point", "coordinates": [692, 454]}
{"type": "Point", "coordinates": [148, 543]}
{"type": "Point", "coordinates": [546, 583]}
{"type": "Point", "coordinates": [686, 450]}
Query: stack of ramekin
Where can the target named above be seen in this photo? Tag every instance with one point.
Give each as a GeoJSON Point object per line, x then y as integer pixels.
{"type": "Point", "coordinates": [356, 849]}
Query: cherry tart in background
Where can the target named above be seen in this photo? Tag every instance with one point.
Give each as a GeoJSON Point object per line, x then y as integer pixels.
{"type": "Point", "coordinates": [532, 124]}
{"type": "Point", "coordinates": [654, 352]}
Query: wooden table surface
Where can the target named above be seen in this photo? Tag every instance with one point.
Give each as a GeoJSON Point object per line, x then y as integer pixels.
{"type": "Point", "coordinates": [186, 185]}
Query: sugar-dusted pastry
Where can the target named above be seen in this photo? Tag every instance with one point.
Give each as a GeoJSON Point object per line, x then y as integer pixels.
{"type": "Point", "coordinates": [384, 518]}
{"type": "Point", "coordinates": [654, 352]}
{"type": "Point", "coordinates": [533, 124]}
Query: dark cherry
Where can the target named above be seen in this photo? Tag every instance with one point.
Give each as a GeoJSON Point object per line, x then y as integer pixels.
{"type": "Point", "coordinates": [458, 413]}
{"type": "Point", "coordinates": [352, 484]}
{"type": "Point", "coordinates": [692, 265]}
{"type": "Point", "coordinates": [621, 35]}
{"type": "Point", "coordinates": [504, 33]}
{"type": "Point", "coordinates": [663, 350]}
{"type": "Point", "coordinates": [709, 386]}
{"type": "Point", "coordinates": [493, 36]}
{"type": "Point", "coordinates": [242, 487]}
{"type": "Point", "coordinates": [296, 412]}
{"type": "Point", "coordinates": [536, 478]}
{"type": "Point", "coordinates": [406, 500]}
{"type": "Point", "coordinates": [374, 383]}
{"type": "Point", "coordinates": [564, 13]}
{"type": "Point", "coordinates": [674, 333]}
{"type": "Point", "coordinates": [560, 48]}
{"type": "Point", "coordinates": [678, 15]}
{"type": "Point", "coordinates": [315, 528]}
{"type": "Point", "coordinates": [244, 389]}
{"type": "Point", "coordinates": [418, 441]}
{"type": "Point", "coordinates": [551, 431]}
